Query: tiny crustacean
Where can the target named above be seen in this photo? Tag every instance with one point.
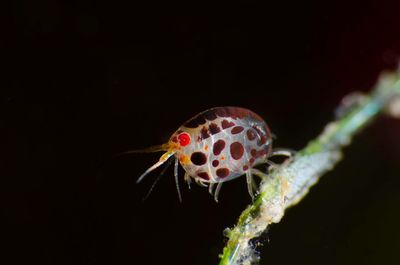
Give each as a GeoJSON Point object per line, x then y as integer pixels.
{"type": "Point", "coordinates": [218, 145]}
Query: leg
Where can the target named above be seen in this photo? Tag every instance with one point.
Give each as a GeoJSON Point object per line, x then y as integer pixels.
{"type": "Point", "coordinates": [216, 193]}
{"type": "Point", "coordinates": [176, 179]}
{"type": "Point", "coordinates": [259, 173]}
{"type": "Point", "coordinates": [249, 179]}
{"type": "Point", "coordinates": [188, 179]}
{"type": "Point", "coordinates": [283, 152]}
{"type": "Point", "coordinates": [271, 165]}
{"type": "Point", "coordinates": [199, 182]}
{"type": "Point", "coordinates": [210, 188]}
{"type": "Point", "coordinates": [278, 152]}
{"type": "Point", "coordinates": [269, 162]}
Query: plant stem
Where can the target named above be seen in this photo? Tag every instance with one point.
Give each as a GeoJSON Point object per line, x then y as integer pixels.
{"type": "Point", "coordinates": [290, 182]}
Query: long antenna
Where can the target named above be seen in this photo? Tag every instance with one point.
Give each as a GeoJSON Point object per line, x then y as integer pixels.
{"type": "Point", "coordinates": [151, 149]}
{"type": "Point", "coordinates": [157, 179]}
{"type": "Point", "coordinates": [162, 160]}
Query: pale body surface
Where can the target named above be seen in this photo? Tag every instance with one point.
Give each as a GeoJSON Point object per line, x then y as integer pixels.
{"type": "Point", "coordinates": [226, 142]}
{"type": "Point", "coordinates": [218, 145]}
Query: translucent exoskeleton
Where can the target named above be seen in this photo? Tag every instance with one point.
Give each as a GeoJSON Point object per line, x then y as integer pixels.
{"type": "Point", "coordinates": [218, 145]}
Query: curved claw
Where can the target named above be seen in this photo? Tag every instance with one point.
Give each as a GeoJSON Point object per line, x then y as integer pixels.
{"type": "Point", "coordinates": [249, 180]}
{"type": "Point", "coordinates": [200, 183]}
{"type": "Point", "coordinates": [188, 179]}
{"type": "Point", "coordinates": [216, 193]}
{"type": "Point", "coordinates": [259, 173]}
{"type": "Point", "coordinates": [210, 188]}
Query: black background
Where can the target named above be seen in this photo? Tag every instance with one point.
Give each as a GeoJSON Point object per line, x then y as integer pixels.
{"type": "Point", "coordinates": [83, 81]}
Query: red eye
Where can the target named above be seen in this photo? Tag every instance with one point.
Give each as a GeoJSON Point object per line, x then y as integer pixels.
{"type": "Point", "coordinates": [184, 139]}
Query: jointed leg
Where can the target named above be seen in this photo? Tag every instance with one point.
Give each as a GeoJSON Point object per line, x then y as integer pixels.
{"type": "Point", "coordinates": [259, 173]}
{"type": "Point", "coordinates": [210, 188]}
{"type": "Point", "coordinates": [177, 180]}
{"type": "Point", "coordinates": [283, 152]}
{"type": "Point", "coordinates": [249, 179]}
{"type": "Point", "coordinates": [188, 179]}
{"type": "Point", "coordinates": [216, 193]}
{"type": "Point", "coordinates": [199, 182]}
{"type": "Point", "coordinates": [278, 152]}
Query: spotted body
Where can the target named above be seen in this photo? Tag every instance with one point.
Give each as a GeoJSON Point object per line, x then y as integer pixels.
{"type": "Point", "coordinates": [225, 143]}
{"type": "Point", "coordinates": [218, 145]}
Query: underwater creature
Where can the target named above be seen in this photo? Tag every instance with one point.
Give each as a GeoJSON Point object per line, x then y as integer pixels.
{"type": "Point", "coordinates": [218, 145]}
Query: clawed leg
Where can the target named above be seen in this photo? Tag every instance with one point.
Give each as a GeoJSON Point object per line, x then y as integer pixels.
{"type": "Point", "coordinates": [200, 183]}
{"type": "Point", "coordinates": [283, 152]}
{"type": "Point", "coordinates": [249, 180]}
{"type": "Point", "coordinates": [278, 152]}
{"type": "Point", "coordinates": [258, 173]}
{"type": "Point", "coordinates": [216, 193]}
{"type": "Point", "coordinates": [188, 179]}
{"type": "Point", "coordinates": [251, 184]}
{"type": "Point", "coordinates": [271, 165]}
{"type": "Point", "coordinates": [210, 188]}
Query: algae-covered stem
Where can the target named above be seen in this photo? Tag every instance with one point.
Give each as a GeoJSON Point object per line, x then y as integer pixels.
{"type": "Point", "coordinates": [289, 183]}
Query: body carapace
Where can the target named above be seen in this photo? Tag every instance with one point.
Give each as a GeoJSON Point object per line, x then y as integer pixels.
{"type": "Point", "coordinates": [218, 145]}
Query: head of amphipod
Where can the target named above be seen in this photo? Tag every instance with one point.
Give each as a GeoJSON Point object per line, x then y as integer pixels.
{"type": "Point", "coordinates": [218, 145]}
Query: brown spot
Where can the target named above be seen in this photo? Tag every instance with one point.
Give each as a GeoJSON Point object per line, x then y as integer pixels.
{"type": "Point", "coordinates": [221, 112]}
{"type": "Point", "coordinates": [251, 135]}
{"type": "Point", "coordinates": [245, 167]}
{"type": "Point", "coordinates": [210, 115]}
{"type": "Point", "coordinates": [195, 122]}
{"type": "Point", "coordinates": [203, 175]}
{"type": "Point", "coordinates": [226, 124]}
{"type": "Point", "coordinates": [213, 128]}
{"type": "Point", "coordinates": [215, 163]}
{"type": "Point", "coordinates": [236, 150]}
{"type": "Point", "coordinates": [237, 129]}
{"type": "Point", "coordinates": [204, 133]}
{"type": "Point", "coordinates": [222, 172]}
{"type": "Point", "coordinates": [236, 112]}
{"type": "Point", "coordinates": [200, 120]}
{"type": "Point", "coordinates": [206, 147]}
{"type": "Point", "coordinates": [251, 161]}
{"type": "Point", "coordinates": [262, 140]}
{"type": "Point", "coordinates": [253, 152]}
{"type": "Point", "coordinates": [218, 147]}
{"type": "Point", "coordinates": [192, 123]}
{"type": "Point", "coordinates": [174, 139]}
{"type": "Point", "coordinates": [261, 153]}
{"type": "Point", "coordinates": [222, 157]}
{"type": "Point", "coordinates": [198, 158]}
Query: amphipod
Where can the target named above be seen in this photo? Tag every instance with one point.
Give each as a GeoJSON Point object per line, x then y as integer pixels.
{"type": "Point", "coordinates": [218, 145]}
